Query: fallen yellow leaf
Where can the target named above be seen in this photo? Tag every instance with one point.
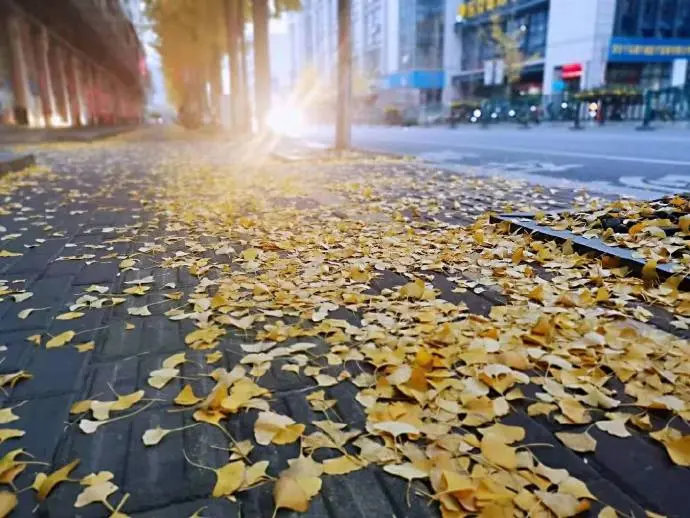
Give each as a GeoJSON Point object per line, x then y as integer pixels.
{"type": "Point", "coordinates": [229, 479]}
{"type": "Point", "coordinates": [10, 433]}
{"type": "Point", "coordinates": [186, 397]}
{"type": "Point", "coordinates": [496, 451]}
{"type": "Point", "coordinates": [55, 478]}
{"type": "Point", "coordinates": [60, 340]}
{"type": "Point", "coordinates": [297, 485]}
{"type": "Point", "coordinates": [580, 442]}
{"type": "Point", "coordinates": [70, 315]}
{"type": "Point", "coordinates": [341, 465]}
{"type": "Point", "coordinates": [8, 501]}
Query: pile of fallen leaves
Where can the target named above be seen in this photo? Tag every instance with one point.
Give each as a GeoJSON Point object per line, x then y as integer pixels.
{"type": "Point", "coordinates": [341, 283]}
{"type": "Point", "coordinates": [656, 231]}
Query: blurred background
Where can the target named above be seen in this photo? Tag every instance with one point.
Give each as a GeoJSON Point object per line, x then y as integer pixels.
{"type": "Point", "coordinates": [105, 62]}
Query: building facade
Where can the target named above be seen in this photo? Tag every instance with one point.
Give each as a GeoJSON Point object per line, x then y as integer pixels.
{"type": "Point", "coordinates": [69, 63]}
{"type": "Point", "coordinates": [565, 45]}
{"type": "Point", "coordinates": [397, 48]}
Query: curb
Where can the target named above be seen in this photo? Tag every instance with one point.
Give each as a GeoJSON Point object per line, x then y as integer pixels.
{"type": "Point", "coordinates": [10, 162]}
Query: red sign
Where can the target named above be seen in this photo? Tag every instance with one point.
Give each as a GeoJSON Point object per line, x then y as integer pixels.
{"type": "Point", "coordinates": [571, 71]}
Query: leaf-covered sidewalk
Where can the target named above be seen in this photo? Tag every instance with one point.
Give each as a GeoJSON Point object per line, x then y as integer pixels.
{"type": "Point", "coordinates": [189, 329]}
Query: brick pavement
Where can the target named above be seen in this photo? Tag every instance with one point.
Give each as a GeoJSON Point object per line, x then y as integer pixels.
{"type": "Point", "coordinates": [75, 224]}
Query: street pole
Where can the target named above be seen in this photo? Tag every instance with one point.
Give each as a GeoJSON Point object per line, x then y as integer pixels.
{"type": "Point", "coordinates": [343, 115]}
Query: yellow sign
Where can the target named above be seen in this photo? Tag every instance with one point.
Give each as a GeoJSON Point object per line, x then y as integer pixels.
{"type": "Point", "coordinates": [472, 8]}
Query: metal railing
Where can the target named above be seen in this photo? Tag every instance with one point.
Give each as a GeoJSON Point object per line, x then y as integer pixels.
{"type": "Point", "coordinates": [596, 106]}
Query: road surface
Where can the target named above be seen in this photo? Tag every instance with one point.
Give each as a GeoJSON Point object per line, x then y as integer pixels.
{"type": "Point", "coordinates": [611, 159]}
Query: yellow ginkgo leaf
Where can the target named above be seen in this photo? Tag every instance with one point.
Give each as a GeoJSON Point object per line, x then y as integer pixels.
{"type": "Point", "coordinates": [8, 501]}
{"type": "Point", "coordinates": [649, 273]}
{"type": "Point", "coordinates": [228, 479]}
{"type": "Point", "coordinates": [214, 357]}
{"type": "Point", "coordinates": [86, 346]}
{"type": "Point", "coordinates": [55, 478]}
{"type": "Point", "coordinates": [25, 313]}
{"type": "Point", "coordinates": [10, 433]}
{"type": "Point", "coordinates": [128, 400]}
{"type": "Point", "coordinates": [60, 340]}
{"type": "Point", "coordinates": [186, 397]}
{"type": "Point", "coordinates": [137, 290]}
{"type": "Point", "coordinates": [101, 409]}
{"type": "Point", "coordinates": [213, 417]}
{"type": "Point", "coordinates": [407, 470]}
{"type": "Point", "coordinates": [677, 445]}
{"type": "Point", "coordinates": [7, 253]}
{"type": "Point", "coordinates": [496, 451]}
{"type": "Point", "coordinates": [97, 492]}
{"type": "Point", "coordinates": [254, 474]}
{"type": "Point", "coordinates": [142, 311]}
{"type": "Point", "coordinates": [396, 428]}
{"type": "Point", "coordinates": [7, 416]}
{"type": "Point", "coordinates": [93, 479]}
{"type": "Point", "coordinates": [249, 254]}
{"type": "Point", "coordinates": [509, 434]}
{"type": "Point", "coordinates": [127, 263]}
{"type": "Point", "coordinates": [95, 288]}
{"type": "Point", "coordinates": [580, 442]}
{"type": "Point", "coordinates": [341, 465]}
{"type": "Point", "coordinates": [684, 223]}
{"type": "Point", "coordinates": [70, 315]}
{"type": "Point", "coordinates": [297, 485]}
{"type": "Point", "coordinates": [561, 504]}
{"type": "Point", "coordinates": [159, 378]}
{"type": "Point", "coordinates": [276, 428]}
{"type": "Point", "coordinates": [173, 361]}
{"type": "Point", "coordinates": [34, 339]}
{"type": "Point", "coordinates": [88, 426]}
{"type": "Point", "coordinates": [81, 407]}
{"type": "Point", "coordinates": [154, 435]}
{"type": "Point", "coordinates": [537, 294]}
{"type": "Point", "coordinates": [607, 512]}
{"type": "Point", "coordinates": [615, 427]}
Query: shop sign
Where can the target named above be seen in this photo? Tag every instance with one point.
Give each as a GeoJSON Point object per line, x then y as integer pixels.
{"type": "Point", "coordinates": [472, 8]}
{"type": "Point", "coordinates": [650, 50]}
{"type": "Point", "coordinates": [571, 71]}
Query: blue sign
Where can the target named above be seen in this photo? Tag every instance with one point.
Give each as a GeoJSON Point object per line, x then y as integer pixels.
{"type": "Point", "coordinates": [558, 86]}
{"type": "Point", "coordinates": [648, 50]}
{"type": "Point", "coordinates": [422, 79]}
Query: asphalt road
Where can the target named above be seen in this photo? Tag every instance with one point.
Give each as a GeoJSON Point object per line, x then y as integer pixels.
{"type": "Point", "coordinates": [613, 159]}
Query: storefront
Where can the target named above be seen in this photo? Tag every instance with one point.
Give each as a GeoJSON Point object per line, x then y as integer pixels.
{"type": "Point", "coordinates": [485, 63]}
{"type": "Point", "coordinates": [571, 46]}
{"type": "Point", "coordinates": [648, 62]}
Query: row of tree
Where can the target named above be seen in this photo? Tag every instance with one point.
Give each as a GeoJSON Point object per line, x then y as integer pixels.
{"type": "Point", "coordinates": [193, 39]}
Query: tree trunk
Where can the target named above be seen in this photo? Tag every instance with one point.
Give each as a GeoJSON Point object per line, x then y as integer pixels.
{"type": "Point", "coordinates": [246, 109]}
{"type": "Point", "coordinates": [343, 118]}
{"type": "Point", "coordinates": [215, 71]}
{"type": "Point", "coordinates": [231, 11]}
{"type": "Point", "coordinates": [262, 66]}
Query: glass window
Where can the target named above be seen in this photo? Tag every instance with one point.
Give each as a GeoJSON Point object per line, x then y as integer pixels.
{"type": "Point", "coordinates": [627, 17]}
{"type": "Point", "coordinates": [421, 34]}
{"type": "Point", "coordinates": [667, 18]}
{"type": "Point", "coordinates": [683, 20]}
{"type": "Point", "coordinates": [649, 18]}
{"type": "Point", "coordinates": [536, 33]}
{"type": "Point", "coordinates": [471, 43]}
{"type": "Point", "coordinates": [656, 75]}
